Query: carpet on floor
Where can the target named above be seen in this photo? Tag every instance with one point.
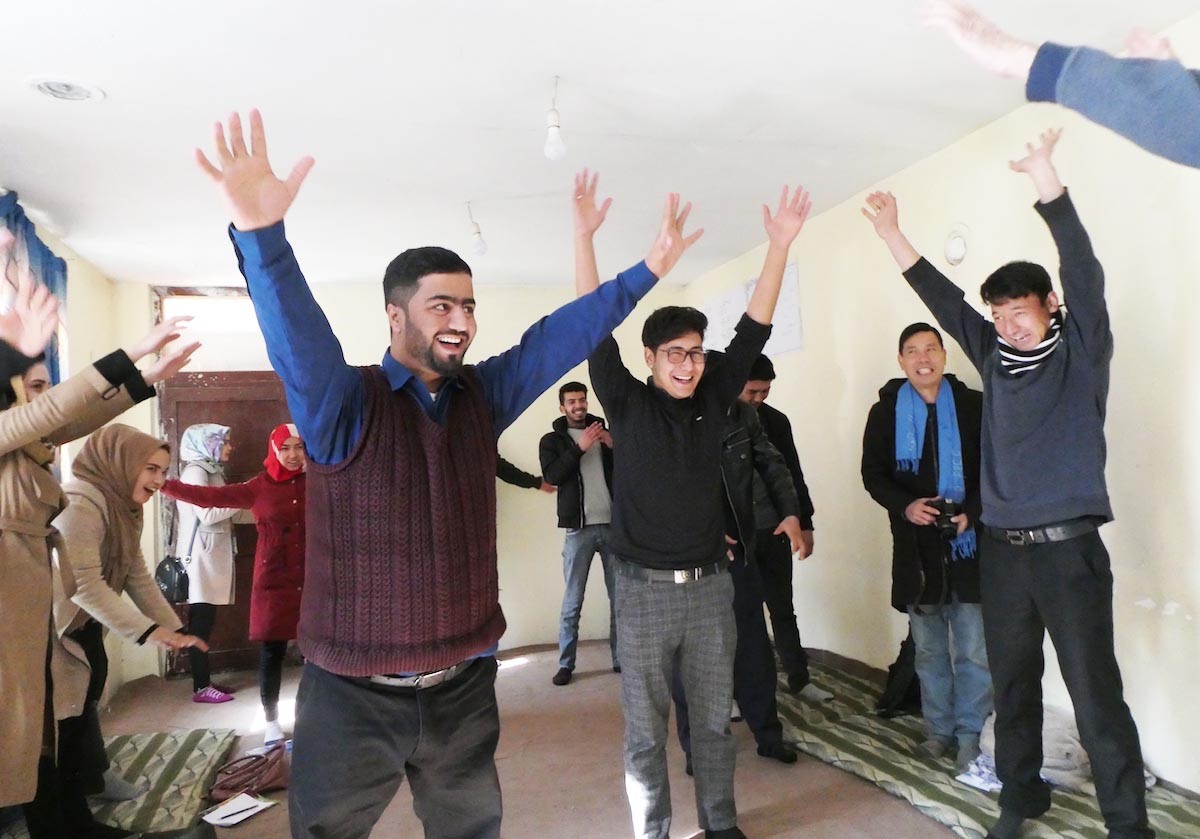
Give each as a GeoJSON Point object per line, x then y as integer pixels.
{"type": "Point", "coordinates": [847, 733]}
{"type": "Point", "coordinates": [177, 766]}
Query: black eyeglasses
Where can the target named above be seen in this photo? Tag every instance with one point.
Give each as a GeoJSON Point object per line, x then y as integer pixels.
{"type": "Point", "coordinates": [676, 355]}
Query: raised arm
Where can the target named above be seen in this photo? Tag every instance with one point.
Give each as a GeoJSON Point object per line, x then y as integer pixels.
{"type": "Point", "coordinates": [588, 218]}
{"type": "Point", "coordinates": [30, 321]}
{"type": "Point", "coordinates": [782, 229]}
{"type": "Point", "coordinates": [1148, 98]}
{"type": "Point", "coordinates": [323, 392]}
{"type": "Point", "coordinates": [943, 298]}
{"type": "Point", "coordinates": [232, 496]}
{"type": "Point", "coordinates": [562, 339]}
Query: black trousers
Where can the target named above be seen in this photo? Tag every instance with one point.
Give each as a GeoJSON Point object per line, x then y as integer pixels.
{"type": "Point", "coordinates": [753, 664]}
{"type": "Point", "coordinates": [201, 619]}
{"type": "Point", "coordinates": [1064, 588]}
{"type": "Point", "coordinates": [270, 675]}
{"type": "Point", "coordinates": [81, 755]}
{"type": "Point", "coordinates": [773, 556]}
{"type": "Point", "coordinates": [356, 742]}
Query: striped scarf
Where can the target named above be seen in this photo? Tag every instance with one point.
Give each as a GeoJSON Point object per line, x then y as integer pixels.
{"type": "Point", "coordinates": [1015, 362]}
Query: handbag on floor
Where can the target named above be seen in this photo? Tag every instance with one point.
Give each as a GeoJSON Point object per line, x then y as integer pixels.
{"type": "Point", "coordinates": [253, 774]}
{"type": "Point", "coordinates": [171, 573]}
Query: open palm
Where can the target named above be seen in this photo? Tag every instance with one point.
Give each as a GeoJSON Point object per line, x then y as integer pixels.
{"type": "Point", "coordinates": [255, 197]}
{"type": "Point", "coordinates": [785, 225]}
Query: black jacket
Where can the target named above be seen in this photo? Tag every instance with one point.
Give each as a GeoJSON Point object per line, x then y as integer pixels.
{"type": "Point", "coordinates": [560, 455]}
{"type": "Point", "coordinates": [510, 473]}
{"type": "Point", "coordinates": [919, 555]}
{"type": "Point", "coordinates": [779, 432]}
{"type": "Point", "coordinates": [745, 449]}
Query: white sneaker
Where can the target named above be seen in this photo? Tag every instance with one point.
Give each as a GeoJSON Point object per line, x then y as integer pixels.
{"type": "Point", "coordinates": [735, 713]}
{"type": "Point", "coordinates": [814, 694]}
{"type": "Point", "coordinates": [273, 733]}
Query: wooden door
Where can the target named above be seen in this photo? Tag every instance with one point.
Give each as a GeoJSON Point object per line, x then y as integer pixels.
{"type": "Point", "coordinates": [251, 404]}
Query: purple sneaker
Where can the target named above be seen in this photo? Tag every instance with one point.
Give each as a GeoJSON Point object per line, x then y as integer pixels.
{"type": "Point", "coordinates": [211, 695]}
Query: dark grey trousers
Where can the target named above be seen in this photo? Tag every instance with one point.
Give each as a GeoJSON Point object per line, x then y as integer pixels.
{"type": "Point", "coordinates": [356, 741]}
{"type": "Point", "coordinates": [662, 626]}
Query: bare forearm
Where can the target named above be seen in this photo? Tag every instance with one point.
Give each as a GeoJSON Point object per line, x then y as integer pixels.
{"type": "Point", "coordinates": [902, 251]}
{"type": "Point", "coordinates": [1046, 182]}
{"type": "Point", "coordinates": [587, 276]}
{"type": "Point", "coordinates": [761, 307]}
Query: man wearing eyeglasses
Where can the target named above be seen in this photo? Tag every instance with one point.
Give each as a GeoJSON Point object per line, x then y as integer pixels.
{"type": "Point", "coordinates": [674, 595]}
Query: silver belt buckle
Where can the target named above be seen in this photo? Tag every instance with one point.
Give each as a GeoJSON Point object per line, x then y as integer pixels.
{"type": "Point", "coordinates": [1019, 537]}
{"type": "Point", "coordinates": [685, 576]}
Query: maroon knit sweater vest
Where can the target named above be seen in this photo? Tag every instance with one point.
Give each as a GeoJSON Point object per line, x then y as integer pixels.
{"type": "Point", "coordinates": [401, 567]}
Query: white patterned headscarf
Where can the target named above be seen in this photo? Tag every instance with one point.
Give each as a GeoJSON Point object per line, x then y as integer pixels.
{"type": "Point", "coordinates": [201, 444]}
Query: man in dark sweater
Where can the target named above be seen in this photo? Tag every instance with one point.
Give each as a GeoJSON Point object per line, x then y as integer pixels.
{"type": "Point", "coordinates": [772, 554]}
{"type": "Point", "coordinates": [576, 456]}
{"type": "Point", "coordinates": [1044, 568]}
{"type": "Point", "coordinates": [401, 615]}
{"type": "Point", "coordinates": [921, 447]}
{"type": "Point", "coordinates": [673, 593]}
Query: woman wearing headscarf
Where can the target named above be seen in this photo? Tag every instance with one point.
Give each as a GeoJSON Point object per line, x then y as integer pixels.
{"type": "Point", "coordinates": [206, 535]}
{"type": "Point", "coordinates": [118, 470]}
{"type": "Point", "coordinates": [30, 498]}
{"type": "Point", "coordinates": [276, 497]}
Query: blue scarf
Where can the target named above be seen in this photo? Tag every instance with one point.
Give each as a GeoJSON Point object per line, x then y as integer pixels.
{"type": "Point", "coordinates": [911, 416]}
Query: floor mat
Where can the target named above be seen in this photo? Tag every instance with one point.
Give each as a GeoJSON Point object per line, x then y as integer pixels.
{"type": "Point", "coordinates": [179, 768]}
{"type": "Point", "coordinates": [846, 733]}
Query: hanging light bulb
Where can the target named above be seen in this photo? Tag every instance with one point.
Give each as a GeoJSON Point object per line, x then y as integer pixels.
{"type": "Point", "coordinates": [478, 246]}
{"type": "Point", "coordinates": [555, 148]}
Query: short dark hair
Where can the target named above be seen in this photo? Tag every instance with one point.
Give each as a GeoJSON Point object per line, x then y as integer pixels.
{"type": "Point", "coordinates": [405, 271]}
{"type": "Point", "coordinates": [571, 387]}
{"type": "Point", "coordinates": [671, 322]}
{"type": "Point", "coordinates": [762, 370]}
{"type": "Point", "coordinates": [1014, 281]}
{"type": "Point", "coordinates": [916, 329]}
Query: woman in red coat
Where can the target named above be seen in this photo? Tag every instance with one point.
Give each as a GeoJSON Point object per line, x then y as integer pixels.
{"type": "Point", "coordinates": [276, 497]}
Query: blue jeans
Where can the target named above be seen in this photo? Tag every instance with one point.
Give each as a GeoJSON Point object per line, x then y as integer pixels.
{"type": "Point", "coordinates": [956, 686]}
{"type": "Point", "coordinates": [578, 549]}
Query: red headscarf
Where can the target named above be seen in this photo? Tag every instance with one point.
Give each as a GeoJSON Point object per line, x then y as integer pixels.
{"type": "Point", "coordinates": [278, 437]}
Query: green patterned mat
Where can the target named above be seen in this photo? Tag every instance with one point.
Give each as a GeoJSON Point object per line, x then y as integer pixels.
{"type": "Point", "coordinates": [179, 768]}
{"type": "Point", "coordinates": [846, 733]}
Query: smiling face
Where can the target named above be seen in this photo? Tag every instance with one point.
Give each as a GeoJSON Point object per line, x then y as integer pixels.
{"type": "Point", "coordinates": [432, 331]}
{"type": "Point", "coordinates": [923, 360]}
{"type": "Point", "coordinates": [574, 407]}
{"type": "Point", "coordinates": [1024, 321]}
{"type": "Point", "coordinates": [151, 477]}
{"type": "Point", "coordinates": [677, 365]}
{"type": "Point", "coordinates": [291, 454]}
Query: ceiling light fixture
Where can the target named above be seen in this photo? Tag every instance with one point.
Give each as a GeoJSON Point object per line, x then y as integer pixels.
{"type": "Point", "coordinates": [555, 148]}
{"type": "Point", "coordinates": [478, 246]}
{"type": "Point", "coordinates": [66, 90]}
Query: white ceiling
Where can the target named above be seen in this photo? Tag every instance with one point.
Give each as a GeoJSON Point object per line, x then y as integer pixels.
{"type": "Point", "coordinates": [413, 108]}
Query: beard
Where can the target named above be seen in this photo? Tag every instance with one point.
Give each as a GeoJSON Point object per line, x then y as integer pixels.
{"type": "Point", "coordinates": [419, 345]}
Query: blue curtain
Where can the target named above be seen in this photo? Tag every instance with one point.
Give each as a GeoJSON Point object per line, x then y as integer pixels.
{"type": "Point", "coordinates": [48, 269]}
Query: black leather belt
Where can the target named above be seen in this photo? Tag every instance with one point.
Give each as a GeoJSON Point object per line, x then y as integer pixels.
{"type": "Point", "coordinates": [659, 575]}
{"type": "Point", "coordinates": [1060, 532]}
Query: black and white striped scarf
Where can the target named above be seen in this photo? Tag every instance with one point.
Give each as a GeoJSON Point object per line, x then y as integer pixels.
{"type": "Point", "coordinates": [1015, 362]}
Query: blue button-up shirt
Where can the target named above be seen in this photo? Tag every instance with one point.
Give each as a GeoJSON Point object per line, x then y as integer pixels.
{"type": "Point", "coordinates": [325, 394]}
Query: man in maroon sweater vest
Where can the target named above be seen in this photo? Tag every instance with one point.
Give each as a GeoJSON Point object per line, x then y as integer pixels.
{"type": "Point", "coordinates": [401, 616]}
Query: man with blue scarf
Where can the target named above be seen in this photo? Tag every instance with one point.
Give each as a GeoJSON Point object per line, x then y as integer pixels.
{"type": "Point", "coordinates": [920, 449]}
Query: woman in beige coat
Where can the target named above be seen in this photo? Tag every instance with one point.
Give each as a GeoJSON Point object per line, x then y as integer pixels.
{"type": "Point", "coordinates": [118, 470]}
{"type": "Point", "coordinates": [30, 498]}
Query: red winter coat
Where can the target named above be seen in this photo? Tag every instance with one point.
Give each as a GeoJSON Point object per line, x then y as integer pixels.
{"type": "Point", "coordinates": [279, 557]}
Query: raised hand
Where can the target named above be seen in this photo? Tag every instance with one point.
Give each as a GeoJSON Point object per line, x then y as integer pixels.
{"type": "Point", "coordinates": [158, 337]}
{"type": "Point", "coordinates": [169, 364]}
{"type": "Point", "coordinates": [783, 227]}
{"type": "Point", "coordinates": [989, 45]}
{"type": "Point", "coordinates": [588, 217]}
{"type": "Point", "coordinates": [254, 196]}
{"type": "Point", "coordinates": [1142, 43]}
{"type": "Point", "coordinates": [883, 214]}
{"type": "Point", "coordinates": [30, 322]}
{"type": "Point", "coordinates": [671, 242]}
{"type": "Point", "coordinates": [1037, 156]}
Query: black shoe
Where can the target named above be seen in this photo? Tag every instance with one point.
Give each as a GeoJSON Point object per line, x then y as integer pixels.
{"type": "Point", "coordinates": [781, 752]}
{"type": "Point", "coordinates": [616, 668]}
{"type": "Point", "coordinates": [687, 766]}
{"type": "Point", "coordinates": [727, 833]}
{"type": "Point", "coordinates": [96, 830]}
{"type": "Point", "coordinates": [796, 683]}
{"type": "Point", "coordinates": [562, 677]}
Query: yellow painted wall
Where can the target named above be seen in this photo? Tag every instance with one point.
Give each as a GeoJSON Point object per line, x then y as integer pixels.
{"type": "Point", "coordinates": [1142, 217]}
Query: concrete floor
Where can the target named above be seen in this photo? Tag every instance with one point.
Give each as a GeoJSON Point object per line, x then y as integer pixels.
{"type": "Point", "coordinates": [560, 762]}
